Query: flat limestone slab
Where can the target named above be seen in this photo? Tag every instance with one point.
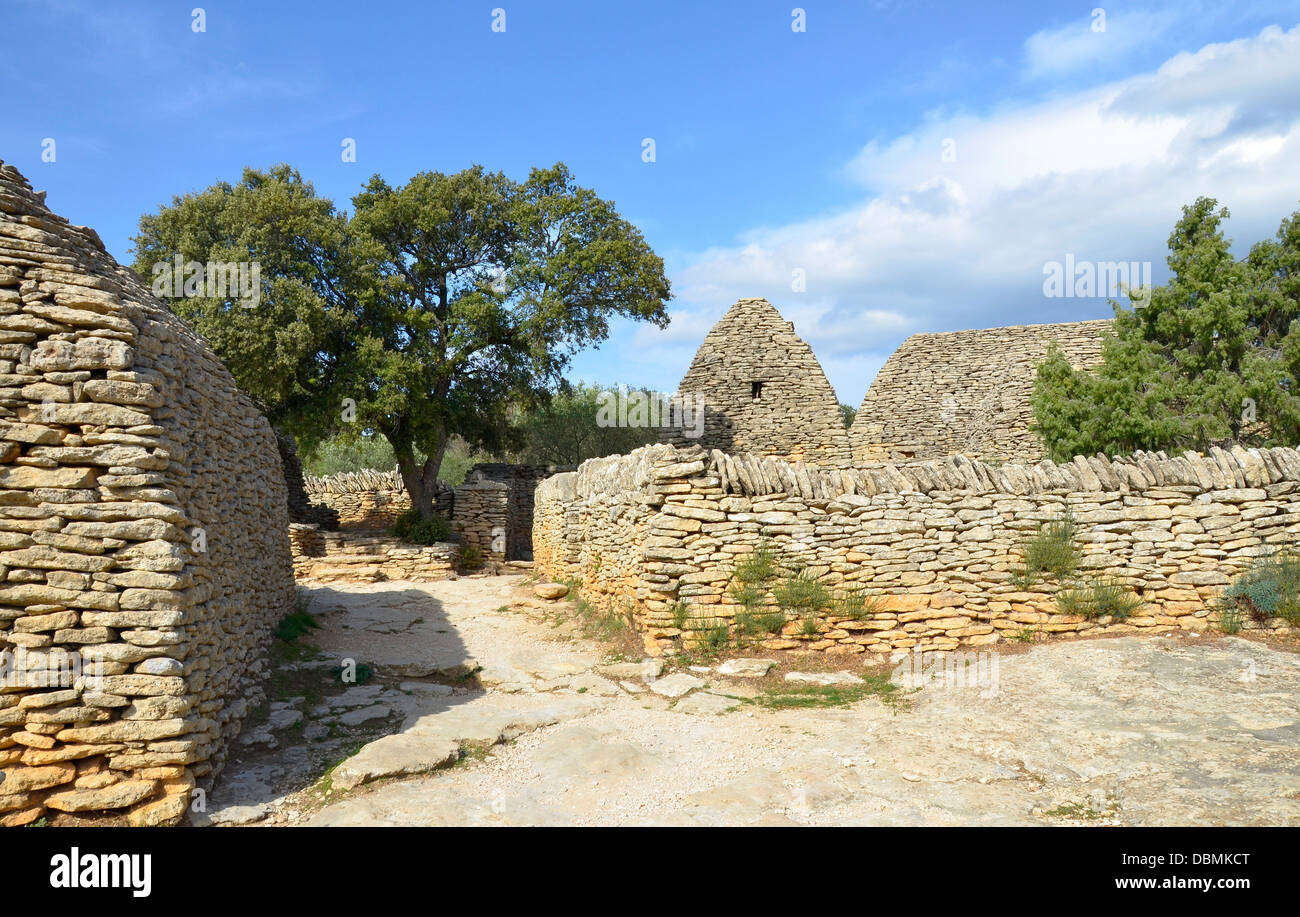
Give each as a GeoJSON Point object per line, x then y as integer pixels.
{"type": "Point", "coordinates": [431, 740]}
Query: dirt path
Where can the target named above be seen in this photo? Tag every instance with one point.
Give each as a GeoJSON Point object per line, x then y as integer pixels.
{"type": "Point", "coordinates": [1143, 731]}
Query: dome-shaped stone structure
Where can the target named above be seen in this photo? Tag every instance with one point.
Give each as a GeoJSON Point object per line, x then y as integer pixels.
{"type": "Point", "coordinates": [763, 391]}
{"type": "Point", "coordinates": [965, 392]}
{"type": "Point", "coordinates": [144, 555]}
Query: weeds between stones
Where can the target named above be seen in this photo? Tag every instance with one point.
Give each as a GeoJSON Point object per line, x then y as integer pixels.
{"type": "Point", "coordinates": [1268, 588]}
{"type": "Point", "coordinates": [298, 622]}
{"type": "Point", "coordinates": [1099, 598]}
{"type": "Point", "coordinates": [785, 696]}
{"type": "Point", "coordinates": [798, 593]}
{"type": "Point", "coordinates": [1051, 550]}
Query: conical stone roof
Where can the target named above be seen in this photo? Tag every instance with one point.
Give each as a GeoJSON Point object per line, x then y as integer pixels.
{"type": "Point", "coordinates": [965, 392]}
{"type": "Point", "coordinates": [763, 391]}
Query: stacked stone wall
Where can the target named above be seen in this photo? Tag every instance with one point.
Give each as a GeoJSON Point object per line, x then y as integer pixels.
{"type": "Point", "coordinates": [481, 519]}
{"type": "Point", "coordinates": [936, 544]}
{"type": "Point", "coordinates": [143, 551]}
{"type": "Point", "coordinates": [359, 557]}
{"type": "Point", "coordinates": [965, 392]}
{"type": "Point", "coordinates": [522, 481]}
{"type": "Point", "coordinates": [365, 499]}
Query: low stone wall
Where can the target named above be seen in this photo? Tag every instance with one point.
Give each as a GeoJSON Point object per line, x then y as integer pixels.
{"type": "Point", "coordinates": [362, 499]}
{"type": "Point", "coordinates": [324, 556]}
{"type": "Point", "coordinates": [935, 542]}
{"type": "Point", "coordinates": [492, 510]}
{"type": "Point", "coordinates": [522, 481]}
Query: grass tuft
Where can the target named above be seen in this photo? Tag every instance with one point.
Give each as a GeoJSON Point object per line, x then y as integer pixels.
{"type": "Point", "coordinates": [1099, 598]}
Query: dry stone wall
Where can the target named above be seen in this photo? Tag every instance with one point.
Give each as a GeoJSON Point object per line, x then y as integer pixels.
{"type": "Point", "coordinates": [965, 392]}
{"type": "Point", "coordinates": [301, 507]}
{"type": "Point", "coordinates": [935, 543]}
{"type": "Point", "coordinates": [498, 519]}
{"type": "Point", "coordinates": [763, 391]}
{"type": "Point", "coordinates": [364, 499]}
{"type": "Point", "coordinates": [521, 482]}
{"type": "Point", "coordinates": [143, 551]}
{"type": "Point", "coordinates": [361, 557]}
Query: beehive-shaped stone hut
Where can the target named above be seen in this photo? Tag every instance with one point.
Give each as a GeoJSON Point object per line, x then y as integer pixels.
{"type": "Point", "coordinates": [965, 392]}
{"type": "Point", "coordinates": [144, 555]}
{"type": "Point", "coordinates": [763, 391]}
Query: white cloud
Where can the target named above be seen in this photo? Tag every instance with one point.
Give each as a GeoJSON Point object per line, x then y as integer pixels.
{"type": "Point", "coordinates": [1101, 173]}
{"type": "Point", "coordinates": [1080, 44]}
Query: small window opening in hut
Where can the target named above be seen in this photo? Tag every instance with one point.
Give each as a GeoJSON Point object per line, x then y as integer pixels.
{"type": "Point", "coordinates": [755, 390]}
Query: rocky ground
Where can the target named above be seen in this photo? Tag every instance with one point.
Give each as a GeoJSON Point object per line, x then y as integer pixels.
{"type": "Point", "coordinates": [483, 710]}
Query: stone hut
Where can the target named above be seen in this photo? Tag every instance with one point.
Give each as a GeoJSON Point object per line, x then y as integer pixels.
{"type": "Point", "coordinates": [965, 392]}
{"type": "Point", "coordinates": [521, 482]}
{"type": "Point", "coordinates": [144, 555]}
{"type": "Point", "coordinates": [763, 391]}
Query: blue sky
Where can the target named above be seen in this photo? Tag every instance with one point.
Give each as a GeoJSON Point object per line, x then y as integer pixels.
{"type": "Point", "coordinates": [777, 151]}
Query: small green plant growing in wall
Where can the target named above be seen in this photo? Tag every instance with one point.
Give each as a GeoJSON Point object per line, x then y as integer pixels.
{"type": "Point", "coordinates": [749, 622]}
{"type": "Point", "coordinates": [1099, 598]}
{"type": "Point", "coordinates": [854, 604]}
{"type": "Point", "coordinates": [1049, 551]}
{"type": "Point", "coordinates": [471, 557]}
{"type": "Point", "coordinates": [759, 567]}
{"type": "Point", "coordinates": [1231, 618]}
{"type": "Point", "coordinates": [1269, 587]}
{"type": "Point", "coordinates": [753, 575]}
{"type": "Point", "coordinates": [803, 595]}
{"type": "Point", "coordinates": [710, 635]}
{"type": "Point", "coordinates": [801, 592]}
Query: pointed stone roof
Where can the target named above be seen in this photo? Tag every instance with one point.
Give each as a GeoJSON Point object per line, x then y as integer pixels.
{"type": "Point", "coordinates": [965, 392]}
{"type": "Point", "coordinates": [764, 391]}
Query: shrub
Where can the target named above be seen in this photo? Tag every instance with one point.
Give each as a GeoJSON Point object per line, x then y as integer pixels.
{"type": "Point", "coordinates": [471, 557]}
{"type": "Point", "coordinates": [1269, 587]}
{"type": "Point", "coordinates": [1098, 599]}
{"type": "Point", "coordinates": [359, 675]}
{"type": "Point", "coordinates": [292, 626]}
{"type": "Point", "coordinates": [854, 605]}
{"type": "Point", "coordinates": [1050, 550]}
{"type": "Point", "coordinates": [801, 592]}
{"type": "Point", "coordinates": [749, 595]}
{"type": "Point", "coordinates": [711, 635]}
{"type": "Point", "coordinates": [749, 623]}
{"type": "Point", "coordinates": [752, 574]}
{"type": "Point", "coordinates": [1230, 618]}
{"type": "Point", "coordinates": [411, 528]}
{"type": "Point", "coordinates": [757, 568]}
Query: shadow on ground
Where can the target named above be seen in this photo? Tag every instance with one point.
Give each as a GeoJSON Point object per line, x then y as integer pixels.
{"type": "Point", "coordinates": [383, 653]}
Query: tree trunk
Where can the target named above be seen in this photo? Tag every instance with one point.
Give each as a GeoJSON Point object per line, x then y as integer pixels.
{"type": "Point", "coordinates": [419, 480]}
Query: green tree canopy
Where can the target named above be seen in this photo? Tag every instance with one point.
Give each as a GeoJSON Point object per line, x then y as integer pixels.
{"type": "Point", "coordinates": [284, 351]}
{"type": "Point", "coordinates": [437, 310]}
{"type": "Point", "coordinates": [567, 429]}
{"type": "Point", "coordinates": [1209, 358]}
